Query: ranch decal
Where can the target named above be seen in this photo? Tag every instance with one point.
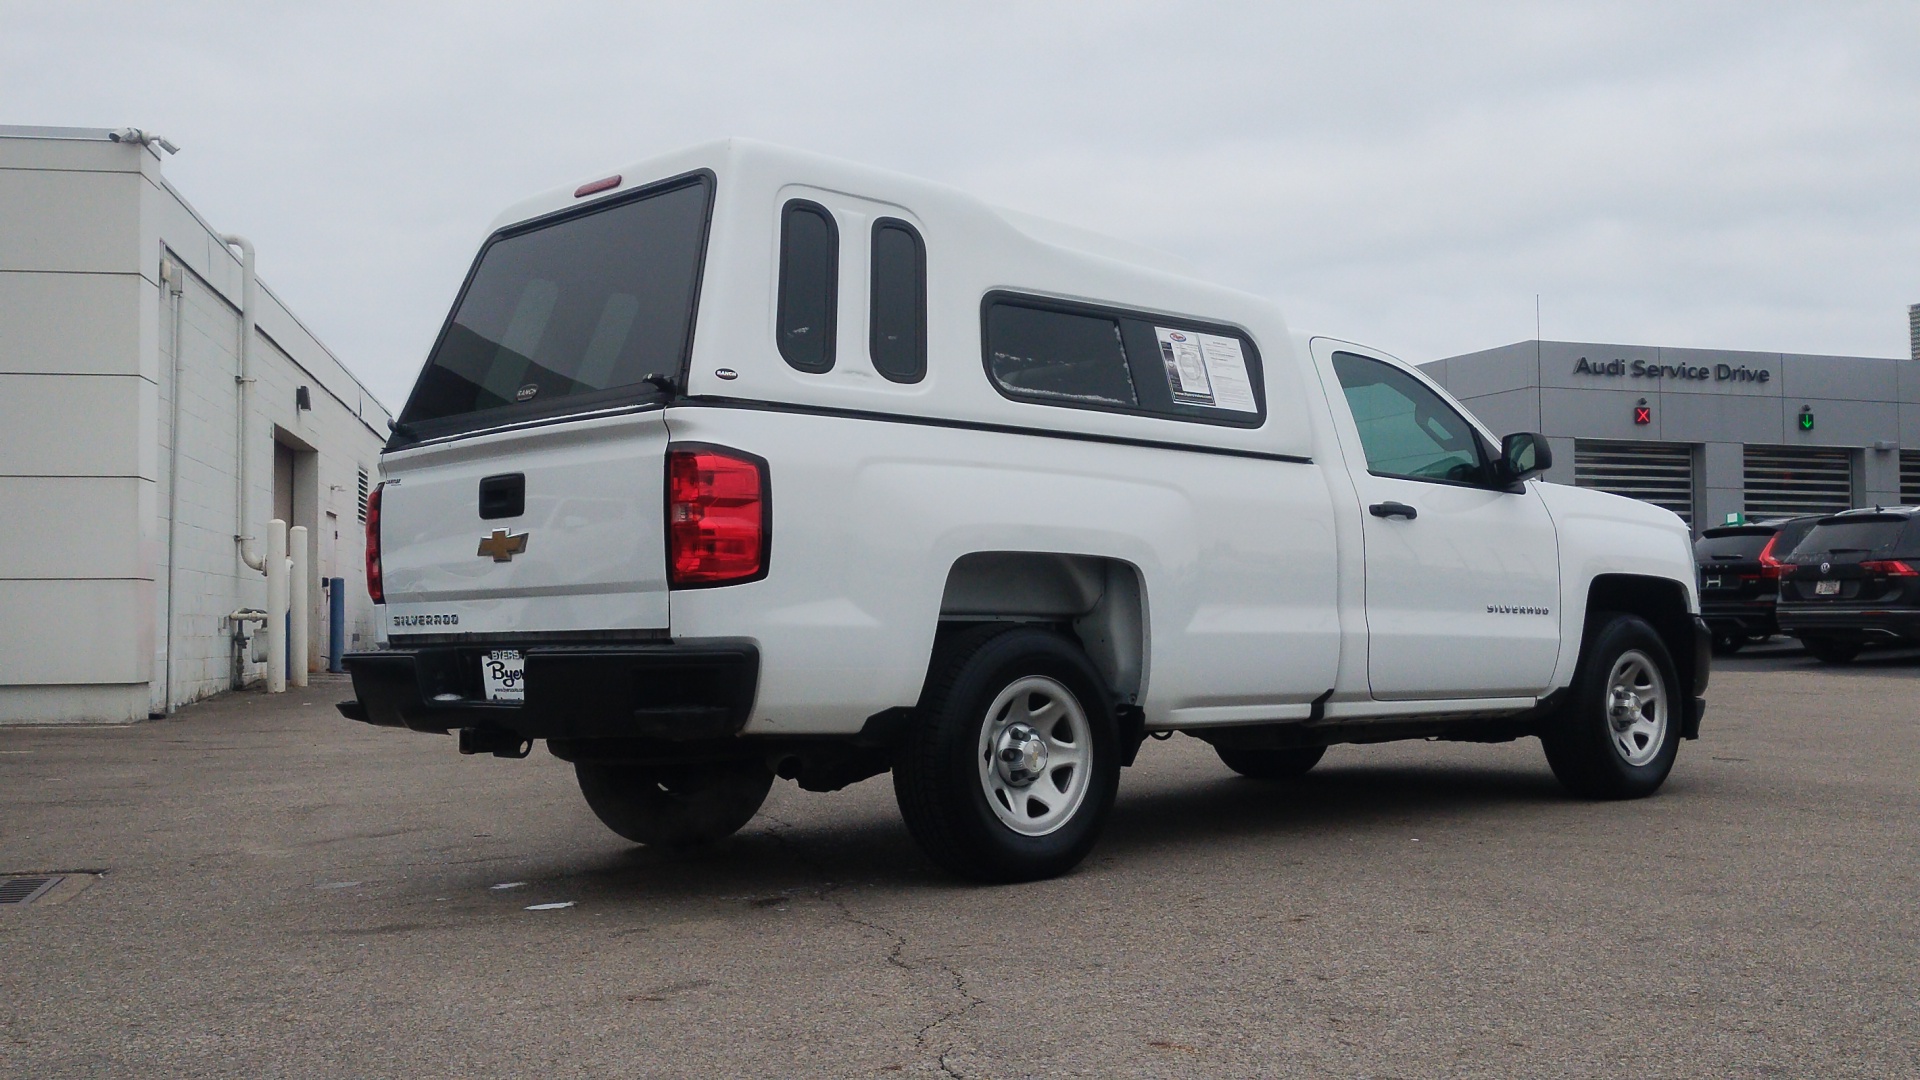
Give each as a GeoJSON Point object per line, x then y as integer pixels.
{"type": "Point", "coordinates": [1640, 369]}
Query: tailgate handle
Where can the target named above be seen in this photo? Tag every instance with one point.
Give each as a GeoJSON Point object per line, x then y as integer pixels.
{"type": "Point", "coordinates": [503, 496]}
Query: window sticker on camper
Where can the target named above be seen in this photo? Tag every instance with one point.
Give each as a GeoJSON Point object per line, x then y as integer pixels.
{"type": "Point", "coordinates": [1206, 370]}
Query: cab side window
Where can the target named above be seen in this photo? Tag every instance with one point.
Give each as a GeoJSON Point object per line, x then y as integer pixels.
{"type": "Point", "coordinates": [1405, 428]}
{"type": "Point", "coordinates": [809, 285]}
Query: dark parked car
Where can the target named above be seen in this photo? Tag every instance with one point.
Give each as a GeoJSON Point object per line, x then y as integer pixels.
{"type": "Point", "coordinates": [1854, 580]}
{"type": "Point", "coordinates": [1740, 568]}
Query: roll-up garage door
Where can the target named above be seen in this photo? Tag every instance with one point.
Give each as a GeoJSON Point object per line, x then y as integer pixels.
{"type": "Point", "coordinates": [1659, 473]}
{"type": "Point", "coordinates": [1910, 477]}
{"type": "Point", "coordinates": [1782, 481]}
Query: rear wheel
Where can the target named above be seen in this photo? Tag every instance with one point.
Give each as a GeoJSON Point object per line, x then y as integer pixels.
{"type": "Point", "coordinates": [1271, 764]}
{"type": "Point", "coordinates": [1726, 644]}
{"type": "Point", "coordinates": [1010, 769]}
{"type": "Point", "coordinates": [1831, 650]}
{"type": "Point", "coordinates": [674, 806]}
{"type": "Point", "coordinates": [1618, 732]}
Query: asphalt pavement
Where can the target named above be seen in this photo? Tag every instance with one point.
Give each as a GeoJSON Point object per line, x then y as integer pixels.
{"type": "Point", "coordinates": [261, 888]}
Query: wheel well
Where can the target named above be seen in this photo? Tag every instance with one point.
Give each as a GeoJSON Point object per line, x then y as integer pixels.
{"type": "Point", "coordinates": [1660, 601]}
{"type": "Point", "coordinates": [1099, 600]}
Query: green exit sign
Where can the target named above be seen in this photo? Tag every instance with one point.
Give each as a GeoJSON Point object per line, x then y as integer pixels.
{"type": "Point", "coordinates": [1806, 418]}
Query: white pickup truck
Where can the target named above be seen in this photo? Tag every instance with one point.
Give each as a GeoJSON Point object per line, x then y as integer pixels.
{"type": "Point", "coordinates": [748, 463]}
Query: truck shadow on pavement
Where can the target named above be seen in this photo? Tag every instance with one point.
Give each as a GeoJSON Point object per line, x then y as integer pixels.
{"type": "Point", "coordinates": [1196, 821]}
{"type": "Point", "coordinates": [1353, 801]}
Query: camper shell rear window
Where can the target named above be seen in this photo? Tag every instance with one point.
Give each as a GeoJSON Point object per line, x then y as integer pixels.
{"type": "Point", "coordinates": [1083, 356]}
{"type": "Point", "coordinates": [569, 312]}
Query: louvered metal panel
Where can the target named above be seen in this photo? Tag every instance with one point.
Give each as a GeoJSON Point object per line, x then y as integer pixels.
{"type": "Point", "coordinates": [1910, 477]}
{"type": "Point", "coordinates": [1659, 473]}
{"type": "Point", "coordinates": [1782, 481]}
{"type": "Point", "coordinates": [22, 891]}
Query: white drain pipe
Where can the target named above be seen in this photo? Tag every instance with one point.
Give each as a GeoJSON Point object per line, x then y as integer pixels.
{"type": "Point", "coordinates": [297, 604]}
{"type": "Point", "coordinates": [173, 278]}
{"type": "Point", "coordinates": [249, 307]}
{"type": "Point", "coordinates": [277, 606]}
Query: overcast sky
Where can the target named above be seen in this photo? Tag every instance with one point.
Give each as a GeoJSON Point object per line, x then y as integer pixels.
{"type": "Point", "coordinates": [1736, 175]}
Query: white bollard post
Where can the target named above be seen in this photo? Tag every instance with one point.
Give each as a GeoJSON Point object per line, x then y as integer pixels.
{"type": "Point", "coordinates": [277, 606]}
{"type": "Point", "coordinates": [297, 604]}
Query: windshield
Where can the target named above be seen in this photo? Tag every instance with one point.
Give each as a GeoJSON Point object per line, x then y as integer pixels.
{"type": "Point", "coordinates": [1848, 536]}
{"type": "Point", "coordinates": [576, 312]}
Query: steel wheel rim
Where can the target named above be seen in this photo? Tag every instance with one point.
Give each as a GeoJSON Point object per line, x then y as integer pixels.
{"type": "Point", "coordinates": [1636, 704]}
{"type": "Point", "coordinates": [1033, 756]}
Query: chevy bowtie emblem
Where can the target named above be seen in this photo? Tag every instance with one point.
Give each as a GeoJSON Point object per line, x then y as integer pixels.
{"type": "Point", "coordinates": [503, 545]}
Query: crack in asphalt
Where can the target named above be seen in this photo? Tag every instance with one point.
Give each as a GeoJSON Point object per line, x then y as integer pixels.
{"type": "Point", "coordinates": [831, 892]}
{"type": "Point", "coordinates": [923, 1037]}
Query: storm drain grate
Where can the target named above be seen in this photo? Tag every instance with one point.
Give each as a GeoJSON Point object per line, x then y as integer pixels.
{"type": "Point", "coordinates": [25, 890]}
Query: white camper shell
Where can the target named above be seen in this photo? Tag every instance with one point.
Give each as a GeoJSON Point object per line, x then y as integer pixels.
{"type": "Point", "coordinates": [777, 464]}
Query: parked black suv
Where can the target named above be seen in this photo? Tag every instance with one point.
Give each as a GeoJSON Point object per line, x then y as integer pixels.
{"type": "Point", "coordinates": [1854, 580]}
{"type": "Point", "coordinates": [1740, 568]}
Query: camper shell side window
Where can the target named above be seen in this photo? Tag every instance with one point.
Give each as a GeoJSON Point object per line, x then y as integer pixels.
{"type": "Point", "coordinates": [1084, 356]}
{"type": "Point", "coordinates": [809, 286]}
{"type": "Point", "coordinates": [897, 325]}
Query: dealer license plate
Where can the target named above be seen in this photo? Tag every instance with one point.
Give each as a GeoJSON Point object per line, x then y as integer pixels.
{"type": "Point", "coordinates": [1826, 588]}
{"type": "Point", "coordinates": [504, 671]}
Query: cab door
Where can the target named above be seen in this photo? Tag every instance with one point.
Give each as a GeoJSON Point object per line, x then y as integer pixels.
{"type": "Point", "coordinates": [1462, 574]}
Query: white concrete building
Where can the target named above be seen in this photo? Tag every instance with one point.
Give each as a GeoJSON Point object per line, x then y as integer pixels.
{"type": "Point", "coordinates": [122, 447]}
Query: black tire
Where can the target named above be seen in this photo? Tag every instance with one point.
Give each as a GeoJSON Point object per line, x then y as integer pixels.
{"type": "Point", "coordinates": [1727, 644]}
{"type": "Point", "coordinates": [1583, 745]}
{"type": "Point", "coordinates": [1271, 764]}
{"type": "Point", "coordinates": [1831, 650]}
{"type": "Point", "coordinates": [678, 806]}
{"type": "Point", "coordinates": [941, 778]}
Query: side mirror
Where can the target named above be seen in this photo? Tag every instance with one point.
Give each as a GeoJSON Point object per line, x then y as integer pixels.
{"type": "Point", "coordinates": [1523, 455]}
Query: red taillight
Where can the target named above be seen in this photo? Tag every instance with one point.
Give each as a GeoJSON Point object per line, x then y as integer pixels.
{"type": "Point", "coordinates": [1889, 567]}
{"type": "Point", "coordinates": [717, 517]}
{"type": "Point", "coordinates": [1771, 567]}
{"type": "Point", "coordinates": [376, 587]}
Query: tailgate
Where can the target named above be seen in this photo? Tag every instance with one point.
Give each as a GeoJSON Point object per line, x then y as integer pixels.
{"type": "Point", "coordinates": [585, 552]}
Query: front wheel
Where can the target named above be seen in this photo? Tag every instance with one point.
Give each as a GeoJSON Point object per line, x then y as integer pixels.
{"type": "Point", "coordinates": [1011, 766]}
{"type": "Point", "coordinates": [1618, 732]}
{"type": "Point", "coordinates": [674, 806]}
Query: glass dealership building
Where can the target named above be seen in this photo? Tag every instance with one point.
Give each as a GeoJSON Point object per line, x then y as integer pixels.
{"type": "Point", "coordinates": [1707, 433]}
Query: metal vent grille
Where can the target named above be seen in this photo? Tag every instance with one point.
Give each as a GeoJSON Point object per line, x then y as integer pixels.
{"type": "Point", "coordinates": [363, 496]}
{"type": "Point", "coordinates": [1782, 481]}
{"type": "Point", "coordinates": [25, 890]}
{"type": "Point", "coordinates": [1910, 477]}
{"type": "Point", "coordinates": [1659, 473]}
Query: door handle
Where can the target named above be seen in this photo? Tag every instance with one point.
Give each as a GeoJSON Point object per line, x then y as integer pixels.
{"type": "Point", "coordinates": [1393, 509]}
